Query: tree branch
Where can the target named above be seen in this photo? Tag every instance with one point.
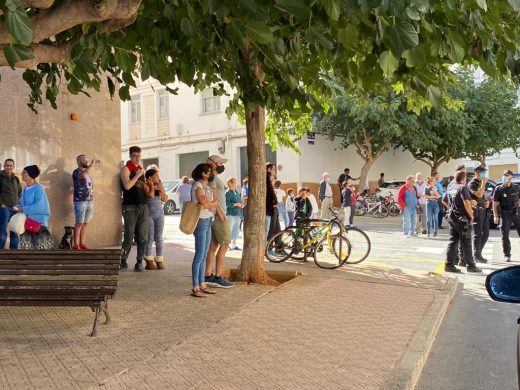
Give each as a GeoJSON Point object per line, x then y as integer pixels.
{"type": "Point", "coordinates": [68, 14]}
{"type": "Point", "coordinates": [52, 54]}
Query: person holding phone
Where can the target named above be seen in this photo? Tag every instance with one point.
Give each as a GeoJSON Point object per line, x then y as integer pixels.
{"type": "Point", "coordinates": [477, 187]}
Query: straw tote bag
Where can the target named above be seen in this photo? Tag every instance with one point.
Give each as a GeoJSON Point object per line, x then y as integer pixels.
{"type": "Point", "coordinates": [190, 217]}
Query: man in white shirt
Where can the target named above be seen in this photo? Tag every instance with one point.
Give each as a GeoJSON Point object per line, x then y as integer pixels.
{"type": "Point", "coordinates": [325, 196]}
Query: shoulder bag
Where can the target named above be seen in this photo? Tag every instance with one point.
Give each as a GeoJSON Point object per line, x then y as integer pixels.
{"type": "Point", "coordinates": [190, 217]}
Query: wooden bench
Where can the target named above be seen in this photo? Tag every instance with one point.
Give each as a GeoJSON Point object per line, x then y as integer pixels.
{"type": "Point", "coordinates": [60, 278]}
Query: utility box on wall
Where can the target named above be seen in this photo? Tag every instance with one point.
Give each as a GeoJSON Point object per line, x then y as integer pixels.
{"type": "Point", "coordinates": [52, 139]}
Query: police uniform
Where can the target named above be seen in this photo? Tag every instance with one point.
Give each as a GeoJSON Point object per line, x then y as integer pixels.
{"type": "Point", "coordinates": [479, 224]}
{"type": "Point", "coordinates": [507, 198]}
{"type": "Point", "coordinates": [460, 227]}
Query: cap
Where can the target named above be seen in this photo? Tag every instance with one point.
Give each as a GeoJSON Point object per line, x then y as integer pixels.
{"type": "Point", "coordinates": [507, 172]}
{"type": "Point", "coordinates": [479, 168]}
{"type": "Point", "coordinates": [217, 159]}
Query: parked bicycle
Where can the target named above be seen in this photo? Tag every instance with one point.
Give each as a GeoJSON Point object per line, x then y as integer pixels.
{"type": "Point", "coordinates": [371, 205]}
{"type": "Point", "coordinates": [313, 237]}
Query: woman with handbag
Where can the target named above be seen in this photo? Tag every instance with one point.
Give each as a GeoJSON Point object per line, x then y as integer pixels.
{"type": "Point", "coordinates": [35, 205]}
{"type": "Point", "coordinates": [202, 194]}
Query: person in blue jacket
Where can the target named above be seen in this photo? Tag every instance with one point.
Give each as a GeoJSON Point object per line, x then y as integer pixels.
{"type": "Point", "coordinates": [33, 202]}
{"type": "Point", "coordinates": [35, 205]}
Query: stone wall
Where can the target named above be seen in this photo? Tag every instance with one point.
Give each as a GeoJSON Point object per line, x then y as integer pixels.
{"type": "Point", "coordinates": [51, 140]}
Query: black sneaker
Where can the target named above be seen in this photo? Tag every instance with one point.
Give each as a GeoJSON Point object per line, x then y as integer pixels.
{"type": "Point", "coordinates": [507, 259]}
{"type": "Point", "coordinates": [462, 263]}
{"type": "Point", "coordinates": [123, 265]}
{"type": "Point", "coordinates": [138, 267]}
{"type": "Point", "coordinates": [473, 268]}
{"type": "Point", "coordinates": [480, 259]}
{"type": "Point", "coordinates": [423, 231]}
{"type": "Point", "coordinates": [451, 268]}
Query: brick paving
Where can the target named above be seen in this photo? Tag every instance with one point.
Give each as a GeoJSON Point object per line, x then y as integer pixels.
{"type": "Point", "coordinates": [342, 329]}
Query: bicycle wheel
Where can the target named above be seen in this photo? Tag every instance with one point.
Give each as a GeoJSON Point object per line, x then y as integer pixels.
{"type": "Point", "coordinates": [280, 247]}
{"type": "Point", "coordinates": [299, 251]}
{"type": "Point", "coordinates": [360, 211]}
{"type": "Point", "coordinates": [360, 243]}
{"type": "Point", "coordinates": [394, 210]}
{"type": "Point", "coordinates": [331, 252]}
{"type": "Point", "coordinates": [381, 212]}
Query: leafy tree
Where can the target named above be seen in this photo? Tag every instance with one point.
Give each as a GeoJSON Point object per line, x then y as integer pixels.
{"type": "Point", "coordinates": [493, 115]}
{"type": "Point", "coordinates": [275, 54]}
{"type": "Point", "coordinates": [443, 134]}
{"type": "Point", "coordinates": [371, 123]}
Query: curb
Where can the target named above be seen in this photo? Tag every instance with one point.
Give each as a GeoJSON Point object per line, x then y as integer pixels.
{"type": "Point", "coordinates": [408, 370]}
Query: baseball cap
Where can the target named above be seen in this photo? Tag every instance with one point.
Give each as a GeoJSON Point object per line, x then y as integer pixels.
{"type": "Point", "coordinates": [217, 159]}
{"type": "Point", "coordinates": [480, 168]}
{"type": "Point", "coordinates": [507, 172]}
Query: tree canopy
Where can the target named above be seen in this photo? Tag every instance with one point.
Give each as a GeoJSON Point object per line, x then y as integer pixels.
{"type": "Point", "coordinates": [371, 123]}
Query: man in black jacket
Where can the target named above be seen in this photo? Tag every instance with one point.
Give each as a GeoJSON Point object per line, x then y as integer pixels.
{"type": "Point", "coordinates": [10, 192]}
{"type": "Point", "coordinates": [272, 224]}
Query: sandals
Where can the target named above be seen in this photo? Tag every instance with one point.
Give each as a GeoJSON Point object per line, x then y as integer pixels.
{"type": "Point", "coordinates": [197, 293]}
{"type": "Point", "coordinates": [201, 292]}
{"type": "Point", "coordinates": [207, 290]}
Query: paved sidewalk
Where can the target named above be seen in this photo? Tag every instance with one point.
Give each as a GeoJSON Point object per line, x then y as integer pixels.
{"type": "Point", "coordinates": [354, 328]}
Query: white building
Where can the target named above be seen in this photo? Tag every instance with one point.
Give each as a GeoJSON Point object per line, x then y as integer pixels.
{"type": "Point", "coordinates": [178, 131]}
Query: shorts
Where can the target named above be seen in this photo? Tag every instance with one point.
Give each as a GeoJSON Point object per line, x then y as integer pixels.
{"type": "Point", "coordinates": [221, 231]}
{"type": "Point", "coordinates": [83, 211]}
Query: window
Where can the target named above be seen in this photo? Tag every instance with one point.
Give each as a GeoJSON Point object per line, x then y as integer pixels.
{"type": "Point", "coordinates": [210, 103]}
{"type": "Point", "coordinates": [135, 109]}
{"type": "Point", "coordinates": [163, 97]}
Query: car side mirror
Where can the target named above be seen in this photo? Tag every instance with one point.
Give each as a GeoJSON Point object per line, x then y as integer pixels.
{"type": "Point", "coordinates": [504, 285]}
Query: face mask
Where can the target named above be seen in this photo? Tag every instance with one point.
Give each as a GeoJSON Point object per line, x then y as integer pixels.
{"type": "Point", "coordinates": [505, 179]}
{"type": "Point", "coordinates": [220, 169]}
{"type": "Point", "coordinates": [211, 177]}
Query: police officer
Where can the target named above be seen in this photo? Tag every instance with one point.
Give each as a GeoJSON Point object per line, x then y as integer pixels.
{"type": "Point", "coordinates": [480, 223]}
{"type": "Point", "coordinates": [506, 196]}
{"type": "Point", "coordinates": [460, 213]}
{"type": "Point", "coordinates": [459, 258]}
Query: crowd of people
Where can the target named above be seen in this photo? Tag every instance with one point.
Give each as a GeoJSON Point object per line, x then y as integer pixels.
{"type": "Point", "coordinates": [423, 203]}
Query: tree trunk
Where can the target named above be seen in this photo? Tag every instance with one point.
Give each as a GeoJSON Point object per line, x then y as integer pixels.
{"type": "Point", "coordinates": [252, 266]}
{"type": "Point", "coordinates": [482, 161]}
{"type": "Point", "coordinates": [364, 173]}
{"type": "Point", "coordinates": [435, 167]}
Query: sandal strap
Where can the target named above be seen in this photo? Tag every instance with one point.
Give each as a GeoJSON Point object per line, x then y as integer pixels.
{"type": "Point", "coordinates": [208, 290]}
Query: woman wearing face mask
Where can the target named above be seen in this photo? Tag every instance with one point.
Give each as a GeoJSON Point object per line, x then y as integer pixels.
{"type": "Point", "coordinates": [290, 206]}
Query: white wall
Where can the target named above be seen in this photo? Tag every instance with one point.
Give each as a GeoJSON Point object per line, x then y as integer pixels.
{"type": "Point", "coordinates": [327, 156]}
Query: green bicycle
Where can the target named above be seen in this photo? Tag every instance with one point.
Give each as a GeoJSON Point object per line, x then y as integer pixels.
{"type": "Point", "coordinates": [329, 250]}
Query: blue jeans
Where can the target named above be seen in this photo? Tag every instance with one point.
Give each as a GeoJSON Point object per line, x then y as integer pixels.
{"type": "Point", "coordinates": [234, 221]}
{"type": "Point", "coordinates": [283, 213]}
{"type": "Point", "coordinates": [409, 218]}
{"type": "Point", "coordinates": [202, 235]}
{"type": "Point", "coordinates": [155, 226]}
{"type": "Point", "coordinates": [267, 226]}
{"type": "Point", "coordinates": [5, 214]}
{"type": "Point", "coordinates": [432, 211]}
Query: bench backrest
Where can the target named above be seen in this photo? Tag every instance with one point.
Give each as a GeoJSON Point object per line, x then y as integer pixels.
{"type": "Point", "coordinates": [58, 277]}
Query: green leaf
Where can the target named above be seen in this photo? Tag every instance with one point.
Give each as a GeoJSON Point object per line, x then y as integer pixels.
{"type": "Point", "coordinates": [124, 93]}
{"type": "Point", "coordinates": [316, 34]}
{"type": "Point", "coordinates": [413, 13]}
{"type": "Point", "coordinates": [433, 95]}
{"type": "Point", "coordinates": [297, 8]}
{"type": "Point", "coordinates": [400, 37]}
{"type": "Point", "coordinates": [333, 8]}
{"type": "Point", "coordinates": [17, 53]}
{"type": "Point", "coordinates": [259, 32]}
{"type": "Point", "coordinates": [456, 44]}
{"type": "Point", "coordinates": [125, 60]}
{"type": "Point", "coordinates": [19, 26]}
{"type": "Point", "coordinates": [388, 63]}
{"type": "Point", "coordinates": [349, 36]}
{"type": "Point", "coordinates": [111, 86]}
{"type": "Point", "coordinates": [482, 4]}
{"type": "Point", "coordinates": [187, 27]}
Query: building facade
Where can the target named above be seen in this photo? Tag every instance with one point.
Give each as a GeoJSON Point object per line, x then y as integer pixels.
{"type": "Point", "coordinates": [178, 131]}
{"type": "Point", "coordinates": [52, 139]}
